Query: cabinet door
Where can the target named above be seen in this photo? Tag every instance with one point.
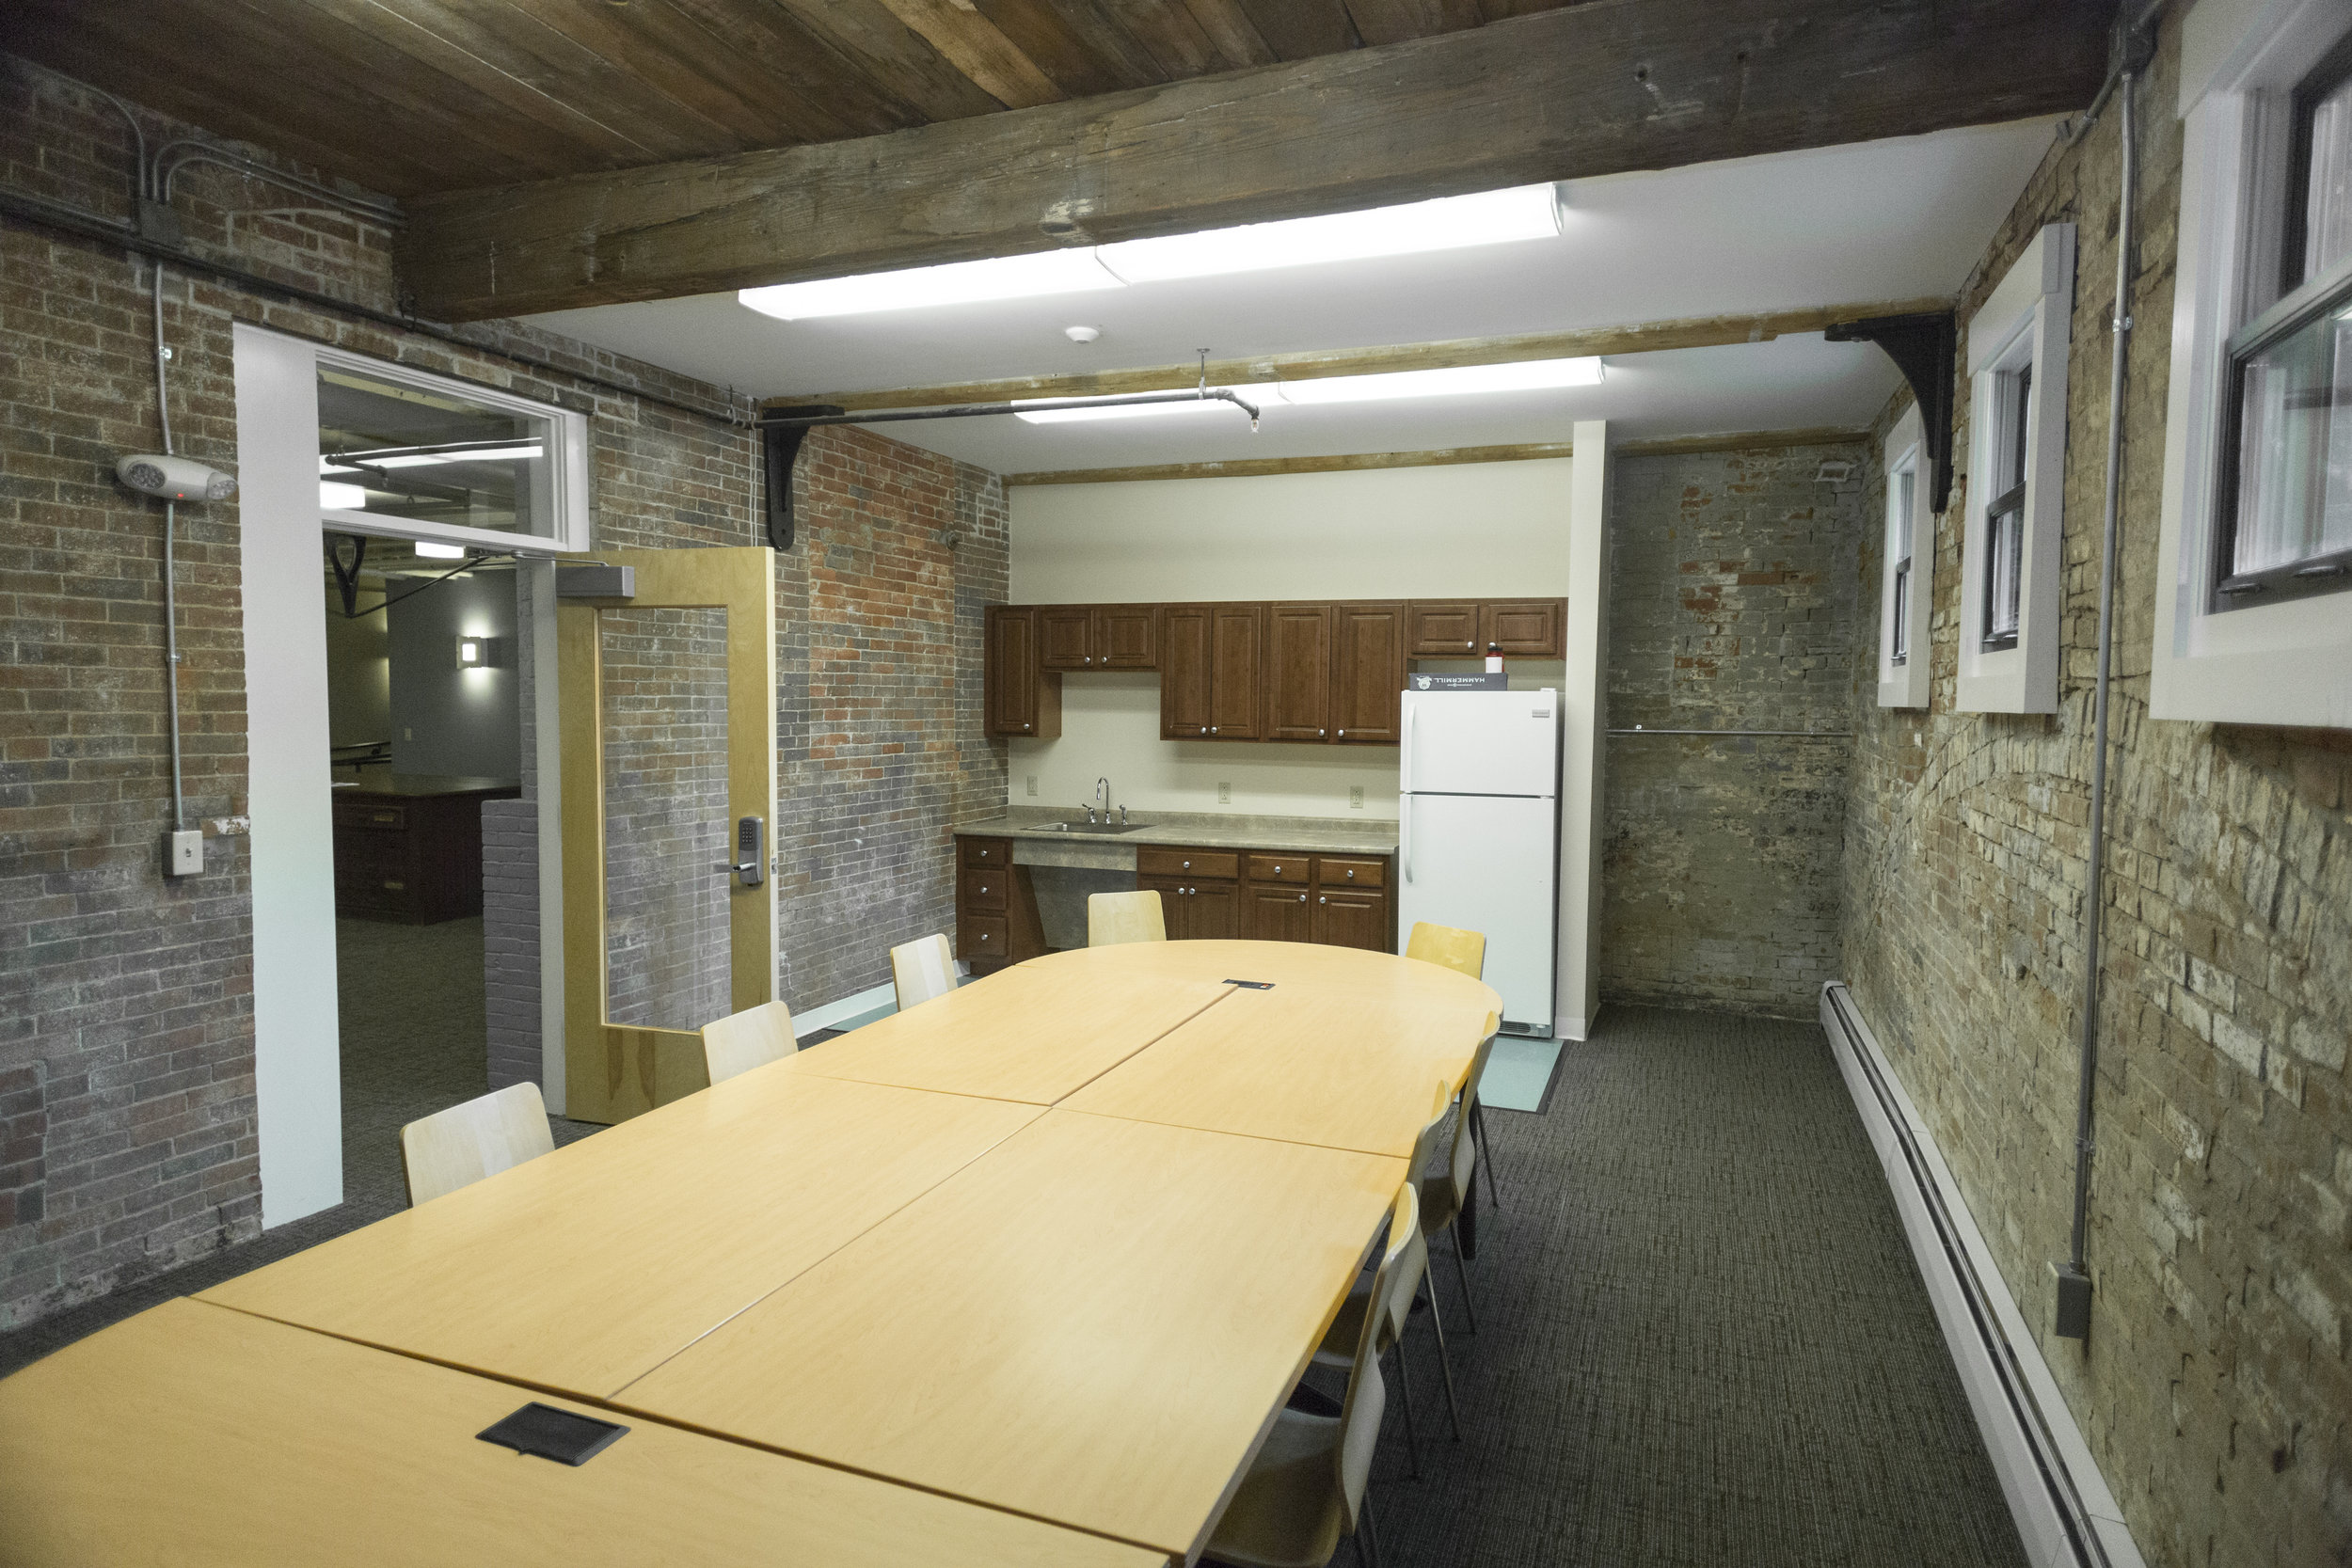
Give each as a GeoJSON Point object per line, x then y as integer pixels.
{"type": "Point", "coordinates": [1185, 643]}
{"type": "Point", "coordinates": [1021, 703]}
{"type": "Point", "coordinates": [1062, 637]}
{"type": "Point", "coordinates": [1236, 672]}
{"type": "Point", "coordinates": [1353, 920]}
{"type": "Point", "coordinates": [1121, 637]}
{"type": "Point", "coordinates": [1523, 628]}
{"type": "Point", "coordinates": [1175, 907]}
{"type": "Point", "coordinates": [1367, 673]}
{"type": "Point", "coordinates": [1298, 671]}
{"type": "Point", "coordinates": [1447, 629]}
{"type": "Point", "coordinates": [1213, 911]}
{"type": "Point", "coordinates": [1277, 913]}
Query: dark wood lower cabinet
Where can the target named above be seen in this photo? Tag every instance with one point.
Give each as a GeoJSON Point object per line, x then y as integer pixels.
{"type": "Point", "coordinates": [1353, 919]}
{"type": "Point", "coordinates": [1280, 913]}
{"type": "Point", "coordinates": [1196, 910]}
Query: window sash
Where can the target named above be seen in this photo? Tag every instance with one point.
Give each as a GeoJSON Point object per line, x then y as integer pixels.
{"type": "Point", "coordinates": [2283, 505]}
{"type": "Point", "coordinates": [1899, 648]}
{"type": "Point", "coordinates": [2004, 577]}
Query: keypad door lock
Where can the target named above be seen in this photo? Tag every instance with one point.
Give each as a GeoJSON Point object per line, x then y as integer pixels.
{"type": "Point", "coordinates": [749, 867]}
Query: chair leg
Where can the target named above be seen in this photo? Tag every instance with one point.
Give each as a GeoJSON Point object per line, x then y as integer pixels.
{"type": "Point", "coordinates": [1453, 1411]}
{"type": "Point", "coordinates": [1367, 1542]}
{"type": "Point", "coordinates": [1461, 1271]}
{"type": "Point", "coordinates": [1405, 1387]}
{"type": "Point", "coordinates": [1486, 1152]}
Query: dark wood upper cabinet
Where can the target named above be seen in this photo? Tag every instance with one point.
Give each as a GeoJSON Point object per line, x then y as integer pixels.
{"type": "Point", "coordinates": [1445, 628]}
{"type": "Point", "coordinates": [1298, 671]}
{"type": "Point", "coordinates": [1062, 636]}
{"type": "Point", "coordinates": [1236, 672]}
{"type": "Point", "coordinates": [1021, 698]}
{"type": "Point", "coordinates": [1185, 665]}
{"type": "Point", "coordinates": [1367, 673]}
{"type": "Point", "coordinates": [1120, 636]}
{"type": "Point", "coordinates": [1523, 628]}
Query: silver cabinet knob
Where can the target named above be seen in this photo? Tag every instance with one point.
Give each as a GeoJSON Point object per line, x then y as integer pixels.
{"type": "Point", "coordinates": [1319, 731]}
{"type": "Point", "coordinates": [1213, 729]}
{"type": "Point", "coordinates": [1322, 900]}
{"type": "Point", "coordinates": [1351, 876]}
{"type": "Point", "coordinates": [1302, 898]}
{"type": "Point", "coordinates": [1205, 729]}
{"type": "Point", "coordinates": [1469, 644]}
{"type": "Point", "coordinates": [1342, 734]}
{"type": "Point", "coordinates": [1278, 871]}
{"type": "Point", "coordinates": [1025, 726]}
{"type": "Point", "coordinates": [1188, 866]}
{"type": "Point", "coordinates": [983, 936]}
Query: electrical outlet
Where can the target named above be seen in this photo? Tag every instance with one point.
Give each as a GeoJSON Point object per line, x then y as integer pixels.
{"type": "Point", "coordinates": [186, 856]}
{"type": "Point", "coordinates": [1033, 784]}
{"type": "Point", "coordinates": [1224, 793]}
{"type": "Point", "coordinates": [1355, 796]}
{"type": "Point", "coordinates": [407, 734]}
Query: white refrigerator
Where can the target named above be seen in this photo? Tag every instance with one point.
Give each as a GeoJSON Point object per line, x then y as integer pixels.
{"type": "Point", "coordinates": [1479, 834]}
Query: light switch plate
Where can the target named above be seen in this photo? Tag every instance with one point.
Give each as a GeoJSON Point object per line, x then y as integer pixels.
{"type": "Point", "coordinates": [1032, 783]}
{"type": "Point", "coordinates": [1355, 796]}
{"type": "Point", "coordinates": [1224, 793]}
{"type": "Point", "coordinates": [186, 857]}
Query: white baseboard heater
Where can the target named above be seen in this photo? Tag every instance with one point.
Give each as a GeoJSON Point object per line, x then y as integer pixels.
{"type": "Point", "coordinates": [2065, 1513]}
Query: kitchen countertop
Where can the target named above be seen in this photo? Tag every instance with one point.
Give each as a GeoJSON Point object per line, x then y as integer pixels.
{"type": "Point", "coordinates": [1302, 835]}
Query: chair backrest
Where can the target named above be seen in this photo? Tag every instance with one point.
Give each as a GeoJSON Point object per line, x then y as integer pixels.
{"type": "Point", "coordinates": [1367, 1395]}
{"type": "Point", "coordinates": [1442, 945]}
{"type": "Point", "coordinates": [922, 969]}
{"type": "Point", "coordinates": [1465, 1163]}
{"type": "Point", "coordinates": [1404, 1277]}
{"type": "Point", "coordinates": [458, 1147]}
{"type": "Point", "coordinates": [753, 1037]}
{"type": "Point", "coordinates": [1115, 917]}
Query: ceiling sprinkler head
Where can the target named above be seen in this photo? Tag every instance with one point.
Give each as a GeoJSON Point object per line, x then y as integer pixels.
{"type": "Point", "coordinates": [1082, 334]}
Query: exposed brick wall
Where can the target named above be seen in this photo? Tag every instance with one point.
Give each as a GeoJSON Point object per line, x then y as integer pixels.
{"type": "Point", "coordinates": [2214, 1388]}
{"type": "Point", "coordinates": [1731, 607]}
{"type": "Point", "coordinates": [126, 997]}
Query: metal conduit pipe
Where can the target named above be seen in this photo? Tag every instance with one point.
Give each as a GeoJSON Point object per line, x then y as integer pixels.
{"type": "Point", "coordinates": [171, 609]}
{"type": "Point", "coordinates": [174, 156]}
{"type": "Point", "coordinates": [2073, 1281]}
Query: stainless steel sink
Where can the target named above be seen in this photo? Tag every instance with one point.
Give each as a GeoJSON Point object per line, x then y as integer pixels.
{"type": "Point", "coordinates": [1097, 828]}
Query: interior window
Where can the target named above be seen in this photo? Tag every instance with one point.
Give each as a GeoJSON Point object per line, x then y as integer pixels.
{"type": "Point", "coordinates": [1899, 520]}
{"type": "Point", "coordinates": [394, 449]}
{"type": "Point", "coordinates": [2005, 516]}
{"type": "Point", "coordinates": [2287, 480]}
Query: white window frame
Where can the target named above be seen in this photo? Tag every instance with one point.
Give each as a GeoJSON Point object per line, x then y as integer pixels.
{"type": "Point", "coordinates": [2024, 325]}
{"type": "Point", "coordinates": [567, 467]}
{"type": "Point", "coordinates": [1907, 467]}
{"type": "Point", "coordinates": [2291, 662]}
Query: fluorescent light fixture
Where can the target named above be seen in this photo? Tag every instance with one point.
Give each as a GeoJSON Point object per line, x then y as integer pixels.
{"type": "Point", "coordinates": [343, 498]}
{"type": "Point", "coordinates": [1447, 223]}
{"type": "Point", "coordinates": [1528, 375]}
{"type": "Point", "coordinates": [432, 551]}
{"type": "Point", "coordinates": [1044, 414]}
{"type": "Point", "coordinates": [1044, 272]}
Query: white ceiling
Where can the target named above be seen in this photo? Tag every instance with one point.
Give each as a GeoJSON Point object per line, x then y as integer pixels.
{"type": "Point", "coordinates": [1885, 220]}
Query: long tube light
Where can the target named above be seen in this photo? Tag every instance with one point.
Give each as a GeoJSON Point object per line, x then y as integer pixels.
{"type": "Point", "coordinates": [1446, 223]}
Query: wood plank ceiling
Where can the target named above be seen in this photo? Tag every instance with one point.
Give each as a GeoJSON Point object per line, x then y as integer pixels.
{"type": "Point", "coordinates": [411, 97]}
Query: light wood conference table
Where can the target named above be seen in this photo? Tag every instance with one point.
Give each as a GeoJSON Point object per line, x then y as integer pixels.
{"type": "Point", "coordinates": [199, 1437]}
{"type": "Point", "coordinates": [959, 1277]}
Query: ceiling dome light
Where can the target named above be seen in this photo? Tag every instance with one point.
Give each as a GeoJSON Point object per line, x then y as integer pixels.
{"type": "Point", "coordinates": [1082, 334]}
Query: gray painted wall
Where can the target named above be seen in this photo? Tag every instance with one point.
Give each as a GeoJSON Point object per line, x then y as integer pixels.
{"type": "Point", "coordinates": [446, 720]}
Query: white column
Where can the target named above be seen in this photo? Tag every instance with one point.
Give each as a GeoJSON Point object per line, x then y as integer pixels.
{"type": "Point", "coordinates": [1584, 703]}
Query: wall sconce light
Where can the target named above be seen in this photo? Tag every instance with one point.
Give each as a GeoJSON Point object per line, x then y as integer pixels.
{"type": "Point", "coordinates": [481, 652]}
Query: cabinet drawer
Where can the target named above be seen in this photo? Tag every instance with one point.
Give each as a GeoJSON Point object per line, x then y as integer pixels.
{"type": "Point", "coordinates": [1187, 863]}
{"type": "Point", "coordinates": [984, 890]}
{"type": "Point", "coordinates": [987, 852]}
{"type": "Point", "coordinates": [1278, 868]}
{"type": "Point", "coordinates": [981, 936]}
{"type": "Point", "coordinates": [1351, 873]}
{"type": "Point", "coordinates": [360, 814]}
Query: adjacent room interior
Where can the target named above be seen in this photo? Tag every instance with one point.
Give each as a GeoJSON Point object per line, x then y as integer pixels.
{"type": "Point", "coordinates": [1196, 781]}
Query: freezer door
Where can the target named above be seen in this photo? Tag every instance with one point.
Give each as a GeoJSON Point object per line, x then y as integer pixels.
{"type": "Point", "coordinates": [1480, 743]}
{"type": "Point", "coordinates": [1486, 863]}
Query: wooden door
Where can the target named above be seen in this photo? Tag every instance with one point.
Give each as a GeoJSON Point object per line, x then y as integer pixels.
{"type": "Point", "coordinates": [1367, 673]}
{"type": "Point", "coordinates": [1021, 702]}
{"type": "Point", "coordinates": [1352, 920]}
{"type": "Point", "coordinates": [1186, 644]}
{"type": "Point", "coordinates": [667, 709]}
{"type": "Point", "coordinates": [1277, 911]}
{"type": "Point", "coordinates": [1523, 628]}
{"type": "Point", "coordinates": [1298, 671]}
{"type": "Point", "coordinates": [1062, 637]}
{"type": "Point", "coordinates": [1236, 672]}
{"type": "Point", "coordinates": [1121, 637]}
{"type": "Point", "coordinates": [1445, 628]}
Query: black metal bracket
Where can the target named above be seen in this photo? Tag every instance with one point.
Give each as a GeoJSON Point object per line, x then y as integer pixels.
{"type": "Point", "coordinates": [780, 450]}
{"type": "Point", "coordinates": [1925, 347]}
{"type": "Point", "coordinates": [348, 577]}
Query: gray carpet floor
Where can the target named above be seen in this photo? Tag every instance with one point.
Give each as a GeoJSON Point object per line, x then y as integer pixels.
{"type": "Point", "coordinates": [1701, 1337]}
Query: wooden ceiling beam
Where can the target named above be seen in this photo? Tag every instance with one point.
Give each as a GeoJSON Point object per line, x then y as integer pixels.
{"type": "Point", "coordinates": [1644, 338]}
{"type": "Point", "coordinates": [1589, 89]}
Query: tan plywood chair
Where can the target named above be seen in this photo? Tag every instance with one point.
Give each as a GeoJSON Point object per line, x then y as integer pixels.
{"type": "Point", "coordinates": [1306, 1489]}
{"type": "Point", "coordinates": [1465, 952]}
{"type": "Point", "coordinates": [922, 969]}
{"type": "Point", "coordinates": [458, 1147]}
{"type": "Point", "coordinates": [1404, 1283]}
{"type": "Point", "coordinates": [753, 1037]}
{"type": "Point", "coordinates": [1115, 917]}
{"type": "Point", "coordinates": [1443, 1195]}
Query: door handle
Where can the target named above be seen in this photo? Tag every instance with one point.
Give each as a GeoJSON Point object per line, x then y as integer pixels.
{"type": "Point", "coordinates": [1405, 757]}
{"type": "Point", "coordinates": [1405, 833]}
{"type": "Point", "coordinates": [746, 868]}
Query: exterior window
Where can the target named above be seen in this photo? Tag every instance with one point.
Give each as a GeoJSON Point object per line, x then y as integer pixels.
{"type": "Point", "coordinates": [2286, 516]}
{"type": "Point", "coordinates": [2005, 516]}
{"type": "Point", "coordinates": [1907, 593]}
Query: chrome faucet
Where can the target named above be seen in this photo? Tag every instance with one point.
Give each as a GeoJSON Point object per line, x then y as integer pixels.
{"type": "Point", "coordinates": [1103, 789]}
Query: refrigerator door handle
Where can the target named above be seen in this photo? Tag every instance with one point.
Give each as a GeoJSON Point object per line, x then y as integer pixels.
{"type": "Point", "coordinates": [1404, 831]}
{"type": "Point", "coordinates": [1405, 757]}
